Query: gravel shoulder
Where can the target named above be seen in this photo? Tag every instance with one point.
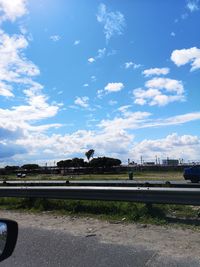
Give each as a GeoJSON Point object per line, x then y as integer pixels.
{"type": "Point", "coordinates": [166, 241]}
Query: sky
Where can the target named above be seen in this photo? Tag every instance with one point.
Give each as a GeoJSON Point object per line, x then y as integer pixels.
{"type": "Point", "coordinates": [119, 77]}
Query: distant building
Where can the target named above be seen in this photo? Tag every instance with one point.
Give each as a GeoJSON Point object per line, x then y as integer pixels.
{"type": "Point", "coordinates": [149, 163]}
{"type": "Point", "coordinates": [170, 162]}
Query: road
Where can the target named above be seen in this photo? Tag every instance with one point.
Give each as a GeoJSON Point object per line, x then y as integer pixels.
{"type": "Point", "coordinates": [50, 240]}
{"type": "Point", "coordinates": [37, 247]}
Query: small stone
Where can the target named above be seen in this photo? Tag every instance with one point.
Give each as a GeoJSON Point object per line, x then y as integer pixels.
{"type": "Point", "coordinates": [90, 235]}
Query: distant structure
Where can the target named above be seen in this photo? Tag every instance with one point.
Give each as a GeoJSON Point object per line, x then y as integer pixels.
{"type": "Point", "coordinates": [170, 162]}
{"type": "Point", "coordinates": [149, 163]}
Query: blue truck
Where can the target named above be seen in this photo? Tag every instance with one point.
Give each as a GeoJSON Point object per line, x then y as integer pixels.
{"type": "Point", "coordinates": [192, 174]}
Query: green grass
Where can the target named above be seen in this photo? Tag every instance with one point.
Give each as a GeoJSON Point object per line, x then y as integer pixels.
{"type": "Point", "coordinates": [144, 175]}
{"type": "Point", "coordinates": [113, 210]}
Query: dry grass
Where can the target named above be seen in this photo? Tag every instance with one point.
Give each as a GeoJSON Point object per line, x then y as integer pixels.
{"type": "Point", "coordinates": [144, 175]}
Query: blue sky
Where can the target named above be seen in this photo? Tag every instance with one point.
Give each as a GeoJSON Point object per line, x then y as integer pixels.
{"type": "Point", "coordinates": [120, 77]}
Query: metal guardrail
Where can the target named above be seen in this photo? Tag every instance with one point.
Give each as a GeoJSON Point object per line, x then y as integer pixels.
{"type": "Point", "coordinates": [124, 183]}
{"type": "Point", "coordinates": [186, 196]}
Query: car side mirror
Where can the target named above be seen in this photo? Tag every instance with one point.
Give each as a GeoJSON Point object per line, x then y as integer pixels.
{"type": "Point", "coordinates": [8, 238]}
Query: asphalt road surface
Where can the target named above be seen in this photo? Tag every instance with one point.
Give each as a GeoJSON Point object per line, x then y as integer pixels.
{"type": "Point", "coordinates": [41, 247]}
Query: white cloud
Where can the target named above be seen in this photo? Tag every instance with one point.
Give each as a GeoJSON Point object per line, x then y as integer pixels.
{"type": "Point", "coordinates": [12, 9]}
{"type": "Point", "coordinates": [160, 91]}
{"type": "Point", "coordinates": [155, 71]}
{"type": "Point", "coordinates": [118, 144]}
{"type": "Point", "coordinates": [192, 5]}
{"type": "Point", "coordinates": [76, 42]}
{"type": "Point", "coordinates": [114, 144]}
{"type": "Point", "coordinates": [130, 120]}
{"type": "Point", "coordinates": [100, 93]}
{"type": "Point", "coordinates": [91, 60]}
{"type": "Point", "coordinates": [15, 68]}
{"type": "Point", "coordinates": [17, 72]}
{"type": "Point", "coordinates": [101, 53]}
{"type": "Point", "coordinates": [113, 22]}
{"type": "Point", "coordinates": [141, 120]}
{"type": "Point", "coordinates": [172, 146]}
{"type": "Point", "coordinates": [128, 64]}
{"type": "Point", "coordinates": [82, 101]}
{"type": "Point", "coordinates": [131, 64]}
{"type": "Point", "coordinates": [55, 38]}
{"type": "Point", "coordinates": [169, 85]}
{"type": "Point", "coordinates": [112, 102]}
{"type": "Point", "coordinates": [184, 56]}
{"type": "Point", "coordinates": [85, 85]}
{"type": "Point", "coordinates": [173, 34]}
{"type": "Point", "coordinates": [5, 90]}
{"type": "Point", "coordinates": [114, 87]}
{"type": "Point", "coordinates": [93, 78]}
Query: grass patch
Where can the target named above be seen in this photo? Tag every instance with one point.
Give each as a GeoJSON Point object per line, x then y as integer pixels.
{"type": "Point", "coordinates": [113, 210]}
{"type": "Point", "coordinates": [142, 175]}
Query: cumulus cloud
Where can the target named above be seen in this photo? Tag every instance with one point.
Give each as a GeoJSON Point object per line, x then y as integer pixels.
{"type": "Point", "coordinates": [82, 101]}
{"type": "Point", "coordinates": [160, 91]}
{"type": "Point", "coordinates": [11, 10]}
{"type": "Point", "coordinates": [169, 85]}
{"type": "Point", "coordinates": [22, 121]}
{"type": "Point", "coordinates": [15, 68]}
{"type": "Point", "coordinates": [114, 87]}
{"type": "Point", "coordinates": [172, 146]}
{"type": "Point", "coordinates": [113, 22]}
{"type": "Point", "coordinates": [185, 56]}
{"type": "Point", "coordinates": [117, 143]}
{"type": "Point", "coordinates": [155, 71]}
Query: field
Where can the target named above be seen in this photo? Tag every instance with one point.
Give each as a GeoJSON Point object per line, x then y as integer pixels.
{"type": "Point", "coordinates": [144, 175]}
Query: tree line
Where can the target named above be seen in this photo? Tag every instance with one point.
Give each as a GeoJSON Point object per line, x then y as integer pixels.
{"type": "Point", "coordinates": [104, 162]}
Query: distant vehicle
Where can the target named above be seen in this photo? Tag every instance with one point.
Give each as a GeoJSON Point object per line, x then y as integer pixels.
{"type": "Point", "coordinates": [21, 175]}
{"type": "Point", "coordinates": [192, 174]}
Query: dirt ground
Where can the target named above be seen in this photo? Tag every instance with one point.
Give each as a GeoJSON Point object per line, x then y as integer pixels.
{"type": "Point", "coordinates": [163, 239]}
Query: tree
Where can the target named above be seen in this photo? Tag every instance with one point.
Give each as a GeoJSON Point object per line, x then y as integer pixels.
{"type": "Point", "coordinates": [76, 162]}
{"type": "Point", "coordinates": [11, 168]}
{"type": "Point", "coordinates": [89, 154]}
{"type": "Point", "coordinates": [30, 166]}
{"type": "Point", "coordinates": [105, 162]}
{"type": "Point", "coordinates": [65, 163]}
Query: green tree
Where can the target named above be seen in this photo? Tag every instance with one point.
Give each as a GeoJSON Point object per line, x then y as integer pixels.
{"type": "Point", "coordinates": [89, 154]}
{"type": "Point", "coordinates": [65, 163]}
{"type": "Point", "coordinates": [30, 166]}
{"type": "Point", "coordinates": [105, 162]}
{"type": "Point", "coordinates": [78, 162]}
